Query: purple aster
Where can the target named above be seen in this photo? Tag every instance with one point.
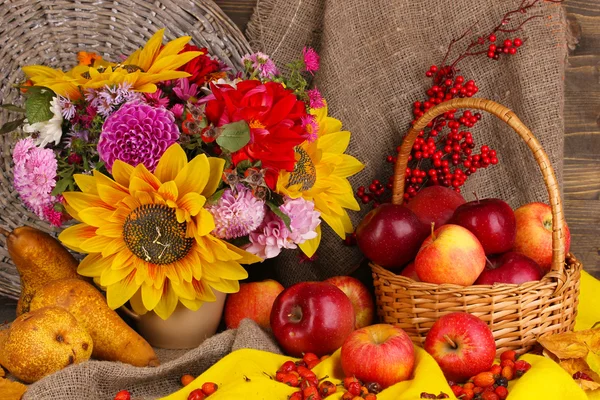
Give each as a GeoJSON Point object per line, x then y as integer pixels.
{"type": "Point", "coordinates": [310, 125]}
{"type": "Point", "coordinates": [268, 69]}
{"type": "Point", "coordinates": [34, 175]}
{"type": "Point", "coordinates": [67, 108]}
{"type": "Point", "coordinates": [177, 110]}
{"type": "Point", "coordinates": [315, 98]}
{"type": "Point", "coordinates": [184, 90]}
{"type": "Point", "coordinates": [237, 213]}
{"type": "Point", "coordinates": [311, 59]}
{"type": "Point", "coordinates": [137, 134]}
{"type": "Point", "coordinates": [125, 93]}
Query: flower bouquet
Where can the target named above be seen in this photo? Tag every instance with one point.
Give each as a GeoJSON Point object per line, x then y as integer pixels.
{"type": "Point", "coordinates": [177, 170]}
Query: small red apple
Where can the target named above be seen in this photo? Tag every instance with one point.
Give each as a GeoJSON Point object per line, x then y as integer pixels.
{"type": "Point", "coordinates": [379, 353]}
{"type": "Point", "coordinates": [451, 254]}
{"type": "Point", "coordinates": [390, 235]}
{"type": "Point", "coordinates": [254, 300]}
{"type": "Point", "coordinates": [410, 272]}
{"type": "Point", "coordinates": [534, 233]}
{"type": "Point", "coordinates": [312, 317]}
{"type": "Point", "coordinates": [492, 221]}
{"type": "Point", "coordinates": [359, 295]}
{"type": "Point", "coordinates": [510, 267]}
{"type": "Point", "coordinates": [435, 204]}
{"type": "Point", "coordinates": [462, 345]}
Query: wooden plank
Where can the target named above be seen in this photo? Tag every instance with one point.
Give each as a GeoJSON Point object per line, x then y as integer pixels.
{"type": "Point", "coordinates": [581, 179]}
{"type": "Point", "coordinates": [238, 10]}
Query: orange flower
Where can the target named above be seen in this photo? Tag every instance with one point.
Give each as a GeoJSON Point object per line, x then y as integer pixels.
{"type": "Point", "coordinates": [87, 59]}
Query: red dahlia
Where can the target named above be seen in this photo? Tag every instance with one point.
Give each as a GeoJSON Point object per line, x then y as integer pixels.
{"type": "Point", "coordinates": [200, 67]}
{"type": "Point", "coordinates": [274, 115]}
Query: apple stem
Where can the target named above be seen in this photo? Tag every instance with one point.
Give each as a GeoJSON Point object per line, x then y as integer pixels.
{"type": "Point", "coordinates": [4, 232]}
{"type": "Point", "coordinates": [488, 262]}
{"type": "Point", "coordinates": [476, 197]}
{"type": "Point", "coordinates": [433, 231]}
{"type": "Point", "coordinates": [450, 342]}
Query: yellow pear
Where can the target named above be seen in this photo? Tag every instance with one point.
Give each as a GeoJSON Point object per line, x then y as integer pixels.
{"type": "Point", "coordinates": [44, 341]}
{"type": "Point", "coordinates": [113, 339]}
{"type": "Point", "coordinates": [40, 259]}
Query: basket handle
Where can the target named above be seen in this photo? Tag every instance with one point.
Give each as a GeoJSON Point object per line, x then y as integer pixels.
{"type": "Point", "coordinates": [506, 115]}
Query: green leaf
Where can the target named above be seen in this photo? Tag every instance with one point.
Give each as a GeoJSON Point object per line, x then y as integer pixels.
{"type": "Point", "coordinates": [37, 106]}
{"type": "Point", "coordinates": [11, 125]}
{"type": "Point", "coordinates": [233, 136]}
{"type": "Point", "coordinates": [280, 214]}
{"type": "Point", "coordinates": [62, 185]}
{"type": "Point", "coordinates": [12, 107]}
{"type": "Point", "coordinates": [243, 165]}
{"type": "Point", "coordinates": [216, 196]}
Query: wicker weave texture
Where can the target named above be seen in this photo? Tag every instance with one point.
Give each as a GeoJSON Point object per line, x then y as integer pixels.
{"type": "Point", "coordinates": [51, 33]}
{"type": "Point", "coordinates": [517, 314]}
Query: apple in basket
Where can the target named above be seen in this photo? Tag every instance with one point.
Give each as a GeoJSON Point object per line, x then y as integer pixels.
{"type": "Point", "coordinates": [359, 295]}
{"type": "Point", "coordinates": [435, 204]}
{"type": "Point", "coordinates": [492, 221]}
{"type": "Point", "coordinates": [254, 300]}
{"type": "Point", "coordinates": [510, 267]}
{"type": "Point", "coordinates": [390, 235]}
{"type": "Point", "coordinates": [462, 345]}
{"type": "Point", "coordinates": [379, 353]}
{"type": "Point", "coordinates": [410, 272]}
{"type": "Point", "coordinates": [451, 254]}
{"type": "Point", "coordinates": [312, 317]}
{"type": "Point", "coordinates": [534, 233]}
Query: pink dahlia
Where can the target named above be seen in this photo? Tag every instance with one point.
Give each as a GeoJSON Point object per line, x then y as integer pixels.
{"type": "Point", "coordinates": [270, 238]}
{"type": "Point", "coordinates": [137, 134]}
{"type": "Point", "coordinates": [311, 59]}
{"type": "Point", "coordinates": [34, 175]}
{"type": "Point", "coordinates": [237, 213]}
{"type": "Point", "coordinates": [304, 219]}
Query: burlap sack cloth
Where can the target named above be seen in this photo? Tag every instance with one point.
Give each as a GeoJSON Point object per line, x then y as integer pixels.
{"type": "Point", "coordinates": [373, 57]}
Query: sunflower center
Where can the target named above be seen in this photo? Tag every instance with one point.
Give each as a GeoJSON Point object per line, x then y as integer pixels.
{"type": "Point", "coordinates": [304, 171]}
{"type": "Point", "coordinates": [153, 234]}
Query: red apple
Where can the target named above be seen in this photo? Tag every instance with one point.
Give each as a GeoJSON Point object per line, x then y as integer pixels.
{"type": "Point", "coordinates": [435, 204]}
{"type": "Point", "coordinates": [451, 254]}
{"type": "Point", "coordinates": [359, 295]}
{"type": "Point", "coordinates": [410, 272]}
{"type": "Point", "coordinates": [312, 317]}
{"type": "Point", "coordinates": [492, 221]}
{"type": "Point", "coordinates": [378, 353]}
{"type": "Point", "coordinates": [510, 267]}
{"type": "Point", "coordinates": [462, 345]}
{"type": "Point", "coordinates": [534, 233]}
{"type": "Point", "coordinates": [390, 235]}
{"type": "Point", "coordinates": [254, 300]}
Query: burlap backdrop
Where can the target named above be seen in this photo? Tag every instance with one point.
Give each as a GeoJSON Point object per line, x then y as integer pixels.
{"type": "Point", "coordinates": [374, 54]}
{"type": "Point", "coordinates": [373, 57]}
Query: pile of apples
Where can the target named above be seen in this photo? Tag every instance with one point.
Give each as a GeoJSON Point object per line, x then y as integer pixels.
{"type": "Point", "coordinates": [440, 238]}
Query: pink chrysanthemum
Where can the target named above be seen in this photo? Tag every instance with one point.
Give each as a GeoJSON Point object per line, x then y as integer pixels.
{"type": "Point", "coordinates": [309, 123]}
{"type": "Point", "coordinates": [304, 219]}
{"type": "Point", "coordinates": [34, 175]}
{"type": "Point", "coordinates": [237, 213]}
{"type": "Point", "coordinates": [311, 59]}
{"type": "Point", "coordinates": [177, 110]}
{"type": "Point", "coordinates": [54, 216]}
{"type": "Point", "coordinates": [137, 134]}
{"type": "Point", "coordinates": [315, 98]}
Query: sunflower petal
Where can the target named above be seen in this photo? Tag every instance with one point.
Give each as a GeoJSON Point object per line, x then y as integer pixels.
{"type": "Point", "coordinates": [216, 172]}
{"type": "Point", "coordinates": [309, 247]}
{"type": "Point", "coordinates": [225, 270]}
{"type": "Point", "coordinates": [93, 265]}
{"type": "Point", "coordinates": [205, 223]}
{"type": "Point", "coordinates": [120, 292]}
{"type": "Point", "coordinates": [122, 172]}
{"type": "Point", "coordinates": [193, 305]}
{"type": "Point", "coordinates": [225, 285]}
{"type": "Point", "coordinates": [141, 172]}
{"type": "Point", "coordinates": [95, 244]}
{"type": "Point", "coordinates": [86, 183]}
{"type": "Point", "coordinates": [74, 236]}
{"type": "Point", "coordinates": [95, 216]}
{"type": "Point", "coordinates": [151, 296]}
{"type": "Point", "coordinates": [192, 203]}
{"type": "Point", "coordinates": [203, 291]}
{"type": "Point", "coordinates": [168, 302]}
{"type": "Point", "coordinates": [168, 191]}
{"type": "Point", "coordinates": [336, 143]}
{"type": "Point", "coordinates": [80, 201]}
{"type": "Point", "coordinates": [171, 162]}
{"type": "Point", "coordinates": [136, 303]}
{"type": "Point", "coordinates": [185, 290]}
{"type": "Point", "coordinates": [115, 246]}
{"type": "Point", "coordinates": [347, 166]}
{"type": "Point", "coordinates": [194, 177]}
{"type": "Point", "coordinates": [111, 276]}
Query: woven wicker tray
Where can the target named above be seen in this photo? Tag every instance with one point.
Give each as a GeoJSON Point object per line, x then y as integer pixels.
{"type": "Point", "coordinates": [51, 33]}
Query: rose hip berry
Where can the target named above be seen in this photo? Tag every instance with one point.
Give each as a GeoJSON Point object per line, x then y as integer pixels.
{"type": "Point", "coordinates": [196, 394]}
{"type": "Point", "coordinates": [209, 388]}
{"type": "Point", "coordinates": [123, 395]}
{"type": "Point", "coordinates": [326, 388]}
{"type": "Point", "coordinates": [508, 355]}
{"type": "Point", "coordinates": [187, 379]}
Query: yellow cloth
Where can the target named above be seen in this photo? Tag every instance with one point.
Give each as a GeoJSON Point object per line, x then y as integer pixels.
{"type": "Point", "coordinates": [249, 374]}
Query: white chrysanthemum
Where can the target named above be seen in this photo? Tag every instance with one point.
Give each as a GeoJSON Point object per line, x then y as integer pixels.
{"type": "Point", "coordinates": [48, 131]}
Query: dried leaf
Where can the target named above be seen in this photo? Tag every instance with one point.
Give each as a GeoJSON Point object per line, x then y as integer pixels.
{"type": "Point", "coordinates": [11, 390]}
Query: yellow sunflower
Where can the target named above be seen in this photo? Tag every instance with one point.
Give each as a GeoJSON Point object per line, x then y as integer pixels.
{"type": "Point", "coordinates": [148, 236]}
{"type": "Point", "coordinates": [143, 69]}
{"type": "Point", "coordinates": [321, 175]}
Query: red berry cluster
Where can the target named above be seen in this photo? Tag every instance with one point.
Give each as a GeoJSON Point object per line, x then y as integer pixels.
{"type": "Point", "coordinates": [299, 374]}
{"type": "Point", "coordinates": [492, 384]}
{"type": "Point", "coordinates": [507, 47]}
{"type": "Point", "coordinates": [356, 390]}
{"type": "Point", "coordinates": [123, 395]}
{"type": "Point", "coordinates": [442, 395]}
{"type": "Point", "coordinates": [206, 390]}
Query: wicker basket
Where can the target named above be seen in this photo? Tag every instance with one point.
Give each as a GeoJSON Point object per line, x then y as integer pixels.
{"type": "Point", "coordinates": [516, 314]}
{"type": "Point", "coordinates": [50, 32]}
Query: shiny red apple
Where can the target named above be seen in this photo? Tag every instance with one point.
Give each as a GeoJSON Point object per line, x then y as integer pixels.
{"type": "Point", "coordinates": [410, 272]}
{"type": "Point", "coordinates": [451, 254]}
{"type": "Point", "coordinates": [359, 295]}
{"type": "Point", "coordinates": [534, 233]}
{"type": "Point", "coordinates": [462, 345]}
{"type": "Point", "coordinates": [390, 235]}
{"type": "Point", "coordinates": [379, 353]}
{"type": "Point", "coordinates": [492, 221]}
{"type": "Point", "coordinates": [254, 300]}
{"type": "Point", "coordinates": [312, 317]}
{"type": "Point", "coordinates": [435, 204]}
{"type": "Point", "coordinates": [510, 267]}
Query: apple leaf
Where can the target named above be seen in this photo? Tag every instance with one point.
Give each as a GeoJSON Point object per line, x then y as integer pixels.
{"type": "Point", "coordinates": [280, 214]}
{"type": "Point", "coordinates": [233, 136]}
{"type": "Point", "coordinates": [37, 106]}
{"type": "Point", "coordinates": [215, 196]}
{"type": "Point", "coordinates": [13, 108]}
{"type": "Point", "coordinates": [11, 126]}
{"type": "Point", "coordinates": [62, 185]}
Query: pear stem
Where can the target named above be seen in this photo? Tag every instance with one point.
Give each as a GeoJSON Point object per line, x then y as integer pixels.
{"type": "Point", "coordinates": [450, 342]}
{"type": "Point", "coordinates": [4, 232]}
{"type": "Point", "coordinates": [433, 231]}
